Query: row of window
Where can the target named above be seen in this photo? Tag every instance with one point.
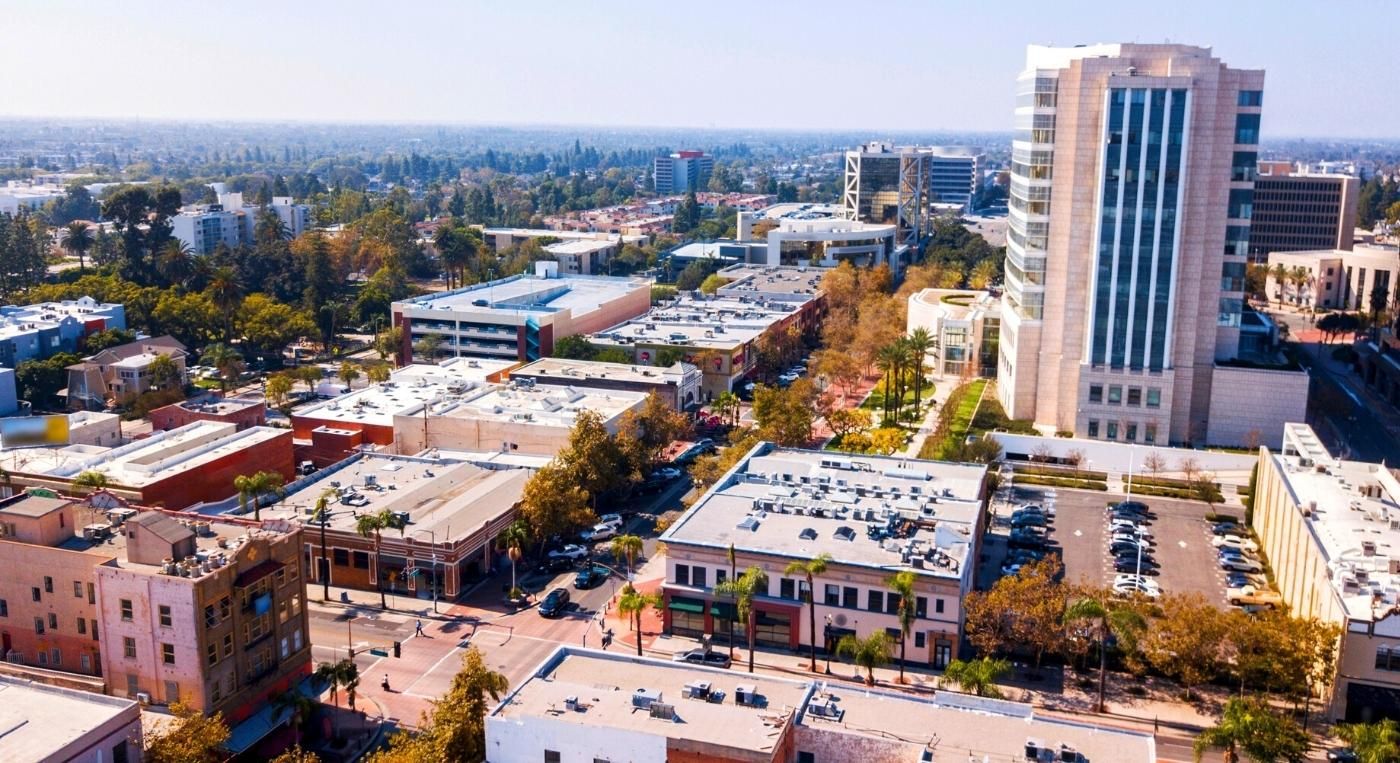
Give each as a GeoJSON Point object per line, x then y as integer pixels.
{"type": "Point", "coordinates": [1135, 395]}
{"type": "Point", "coordinates": [847, 597]}
{"type": "Point", "coordinates": [1128, 429]}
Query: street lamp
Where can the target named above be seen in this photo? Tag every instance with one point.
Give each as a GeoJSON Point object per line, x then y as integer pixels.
{"type": "Point", "coordinates": [433, 536]}
{"type": "Point", "coordinates": [827, 642]}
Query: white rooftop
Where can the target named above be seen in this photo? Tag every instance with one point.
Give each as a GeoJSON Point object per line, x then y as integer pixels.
{"type": "Point", "coordinates": [579, 246]}
{"type": "Point", "coordinates": [408, 389]}
{"type": "Point", "coordinates": [796, 211]}
{"type": "Point", "coordinates": [870, 511]}
{"type": "Point", "coordinates": [523, 402]}
{"type": "Point", "coordinates": [38, 722]}
{"type": "Point", "coordinates": [528, 294]}
{"type": "Point", "coordinates": [720, 322]}
{"type": "Point", "coordinates": [593, 369]}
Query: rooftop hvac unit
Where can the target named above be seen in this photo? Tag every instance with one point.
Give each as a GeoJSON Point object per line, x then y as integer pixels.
{"type": "Point", "coordinates": [643, 698]}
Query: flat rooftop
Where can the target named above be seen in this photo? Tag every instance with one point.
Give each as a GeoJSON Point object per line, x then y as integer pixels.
{"type": "Point", "coordinates": [593, 369]}
{"type": "Point", "coordinates": [528, 294]}
{"type": "Point", "coordinates": [579, 246]}
{"type": "Point", "coordinates": [540, 404]}
{"type": "Point", "coordinates": [604, 684]}
{"type": "Point", "coordinates": [219, 406]}
{"type": "Point", "coordinates": [567, 235]}
{"type": "Point", "coordinates": [145, 461]}
{"type": "Point", "coordinates": [795, 211]}
{"type": "Point", "coordinates": [40, 721]}
{"type": "Point", "coordinates": [33, 506]}
{"type": "Point", "coordinates": [438, 497]}
{"type": "Point", "coordinates": [719, 322]}
{"type": "Point", "coordinates": [407, 389]}
{"type": "Point", "coordinates": [957, 304]}
{"type": "Point", "coordinates": [869, 511]}
{"type": "Point", "coordinates": [1356, 504]}
{"type": "Point", "coordinates": [799, 281]}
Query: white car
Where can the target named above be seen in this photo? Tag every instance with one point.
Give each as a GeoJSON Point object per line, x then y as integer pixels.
{"type": "Point", "coordinates": [668, 473]}
{"type": "Point", "coordinates": [1234, 541]}
{"type": "Point", "coordinates": [599, 532]}
{"type": "Point", "coordinates": [1142, 580]}
{"type": "Point", "coordinates": [1141, 531]}
{"type": "Point", "coordinates": [611, 519]}
{"type": "Point", "coordinates": [1138, 588]}
{"type": "Point", "coordinates": [571, 551]}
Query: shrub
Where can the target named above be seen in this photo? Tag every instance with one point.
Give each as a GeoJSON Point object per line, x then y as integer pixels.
{"type": "Point", "coordinates": [1064, 471]}
{"type": "Point", "coordinates": [1061, 482]}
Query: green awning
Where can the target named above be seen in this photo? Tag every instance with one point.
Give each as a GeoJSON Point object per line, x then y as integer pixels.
{"type": "Point", "coordinates": [724, 610]}
{"type": "Point", "coordinates": [680, 604]}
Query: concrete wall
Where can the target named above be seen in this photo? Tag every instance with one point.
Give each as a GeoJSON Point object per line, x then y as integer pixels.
{"type": "Point", "coordinates": [1116, 457]}
{"type": "Point", "coordinates": [28, 565]}
{"type": "Point", "coordinates": [1249, 406]}
{"type": "Point", "coordinates": [524, 740]}
{"type": "Point", "coordinates": [213, 481]}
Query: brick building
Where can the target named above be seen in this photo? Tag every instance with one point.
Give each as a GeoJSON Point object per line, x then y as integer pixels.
{"type": "Point", "coordinates": [236, 411]}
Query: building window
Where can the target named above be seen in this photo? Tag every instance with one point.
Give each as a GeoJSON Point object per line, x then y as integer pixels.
{"type": "Point", "coordinates": [1130, 432]}
{"type": "Point", "coordinates": [921, 606]}
{"type": "Point", "coordinates": [228, 644]}
{"type": "Point", "coordinates": [1246, 129]}
{"type": "Point", "coordinates": [1115, 395]}
{"type": "Point", "coordinates": [35, 594]}
{"type": "Point", "coordinates": [875, 601]}
{"type": "Point", "coordinates": [682, 574]}
{"type": "Point", "coordinates": [225, 608]}
{"type": "Point", "coordinates": [1154, 397]}
{"type": "Point", "coordinates": [129, 647]}
{"type": "Point", "coordinates": [53, 621]}
{"type": "Point", "coordinates": [938, 606]}
{"type": "Point", "coordinates": [1388, 657]}
{"type": "Point", "coordinates": [167, 654]}
{"type": "Point", "coordinates": [697, 576]}
{"type": "Point", "coordinates": [4, 608]}
{"type": "Point", "coordinates": [1093, 427]}
{"type": "Point", "coordinates": [720, 577]}
{"type": "Point", "coordinates": [48, 584]}
{"type": "Point", "coordinates": [126, 610]}
{"type": "Point", "coordinates": [787, 589]}
{"type": "Point", "coordinates": [77, 589]}
{"type": "Point", "coordinates": [39, 625]}
{"type": "Point", "coordinates": [850, 597]}
{"type": "Point", "coordinates": [296, 604]}
{"type": "Point", "coordinates": [920, 640]}
{"type": "Point", "coordinates": [832, 595]}
{"type": "Point", "coordinates": [280, 577]}
{"type": "Point", "coordinates": [55, 657]}
{"type": "Point", "coordinates": [211, 618]}
{"type": "Point", "coordinates": [165, 619]}
{"type": "Point", "coordinates": [892, 603]}
{"type": "Point", "coordinates": [551, 756]}
{"type": "Point", "coordinates": [1112, 430]}
{"type": "Point", "coordinates": [82, 627]}
{"type": "Point", "coordinates": [1251, 98]}
{"type": "Point", "coordinates": [92, 626]}
{"type": "Point", "coordinates": [212, 652]}
{"type": "Point", "coordinates": [806, 757]}
{"type": "Point", "coordinates": [361, 560]}
{"type": "Point", "coordinates": [340, 557]}
{"type": "Point", "coordinates": [1096, 393]}
{"type": "Point", "coordinates": [1135, 396]}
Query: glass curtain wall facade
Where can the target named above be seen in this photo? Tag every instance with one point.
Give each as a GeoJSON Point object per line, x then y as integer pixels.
{"type": "Point", "coordinates": [1032, 163]}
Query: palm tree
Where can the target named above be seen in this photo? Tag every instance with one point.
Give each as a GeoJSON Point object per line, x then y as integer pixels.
{"type": "Point", "coordinates": [77, 240]}
{"type": "Point", "coordinates": [726, 404]}
{"type": "Point", "coordinates": [870, 652]}
{"type": "Point", "coordinates": [887, 360]}
{"type": "Point", "coordinates": [337, 674]}
{"type": "Point", "coordinates": [632, 604]}
{"type": "Point", "coordinates": [920, 342]}
{"type": "Point", "coordinates": [227, 360]}
{"type": "Point", "coordinates": [348, 373]}
{"type": "Point", "coordinates": [977, 676]}
{"type": "Point", "coordinates": [743, 589]}
{"type": "Point", "coordinates": [733, 573]}
{"type": "Point", "coordinates": [627, 547]}
{"type": "Point", "coordinates": [810, 569]}
{"type": "Point", "coordinates": [1279, 271]}
{"type": "Point", "coordinates": [175, 263]}
{"type": "Point", "coordinates": [370, 526]}
{"type": "Point", "coordinates": [91, 480]}
{"type": "Point", "coordinates": [1251, 726]}
{"type": "Point", "coordinates": [1377, 742]}
{"type": "Point", "coordinates": [296, 705]}
{"type": "Point", "coordinates": [227, 295]}
{"type": "Point", "coordinates": [904, 358]}
{"type": "Point", "coordinates": [514, 538]}
{"type": "Point", "coordinates": [254, 487]}
{"type": "Point", "coordinates": [902, 585]}
{"type": "Point", "coordinates": [1299, 277]}
{"type": "Point", "coordinates": [1106, 620]}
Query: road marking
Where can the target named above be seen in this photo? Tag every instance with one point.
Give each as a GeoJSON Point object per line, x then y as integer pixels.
{"type": "Point", "coordinates": [435, 666]}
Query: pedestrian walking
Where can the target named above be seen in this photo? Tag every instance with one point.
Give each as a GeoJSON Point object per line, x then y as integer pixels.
{"type": "Point", "coordinates": [419, 627]}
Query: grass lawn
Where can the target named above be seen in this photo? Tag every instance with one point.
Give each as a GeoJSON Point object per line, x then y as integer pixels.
{"type": "Point", "coordinates": [962, 419]}
{"type": "Point", "coordinates": [875, 403]}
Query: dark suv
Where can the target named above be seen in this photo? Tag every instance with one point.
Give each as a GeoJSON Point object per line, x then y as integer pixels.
{"type": "Point", "coordinates": [554, 603]}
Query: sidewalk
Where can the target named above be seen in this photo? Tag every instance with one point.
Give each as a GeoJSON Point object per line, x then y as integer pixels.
{"type": "Point", "coordinates": [402, 603]}
{"type": "Point", "coordinates": [926, 426]}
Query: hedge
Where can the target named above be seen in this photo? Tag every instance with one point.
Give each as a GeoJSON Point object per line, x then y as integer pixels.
{"type": "Point", "coordinates": [1068, 472]}
{"type": "Point", "coordinates": [1168, 492]}
{"type": "Point", "coordinates": [1167, 482]}
{"type": "Point", "coordinates": [1061, 482]}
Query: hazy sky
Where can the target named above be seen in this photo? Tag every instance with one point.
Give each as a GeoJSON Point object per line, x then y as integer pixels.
{"type": "Point", "coordinates": [820, 64]}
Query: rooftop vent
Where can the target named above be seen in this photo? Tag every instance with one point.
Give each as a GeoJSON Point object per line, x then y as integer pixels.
{"type": "Point", "coordinates": [748, 523]}
{"type": "Point", "coordinates": [845, 533]}
{"type": "Point", "coordinates": [643, 698]}
{"type": "Point", "coordinates": [807, 534]}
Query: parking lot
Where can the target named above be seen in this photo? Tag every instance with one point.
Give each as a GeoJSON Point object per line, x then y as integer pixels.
{"type": "Point", "coordinates": [1180, 543]}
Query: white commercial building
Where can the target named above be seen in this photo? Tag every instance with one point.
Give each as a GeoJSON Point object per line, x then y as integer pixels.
{"type": "Point", "coordinates": [53, 724]}
{"type": "Point", "coordinates": [819, 234]}
{"type": "Point", "coordinates": [955, 176]}
{"type": "Point", "coordinates": [965, 325]}
{"type": "Point", "coordinates": [1335, 279]}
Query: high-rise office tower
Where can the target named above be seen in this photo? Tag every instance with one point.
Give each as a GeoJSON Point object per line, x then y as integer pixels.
{"type": "Point", "coordinates": [682, 171]}
{"type": "Point", "coordinates": [955, 175]}
{"type": "Point", "coordinates": [1301, 212]}
{"type": "Point", "coordinates": [1131, 184]}
{"type": "Point", "coordinates": [889, 184]}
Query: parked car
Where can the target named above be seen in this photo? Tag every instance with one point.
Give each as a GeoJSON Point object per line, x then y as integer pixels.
{"type": "Point", "coordinates": [1034, 508]}
{"type": "Point", "coordinates": [702, 657]}
{"type": "Point", "coordinates": [1030, 520]}
{"type": "Point", "coordinates": [1125, 578]}
{"type": "Point", "coordinates": [600, 531]}
{"type": "Point", "coordinates": [1234, 541]}
{"type": "Point", "coordinates": [554, 603]}
{"type": "Point", "coordinates": [1236, 553]}
{"type": "Point", "coordinates": [1240, 580]}
{"type": "Point", "coordinates": [1227, 528]}
{"type": "Point", "coordinates": [1240, 564]}
{"type": "Point", "coordinates": [611, 519]}
{"type": "Point", "coordinates": [591, 577]}
{"type": "Point", "coordinates": [1141, 530]}
{"type": "Point", "coordinates": [1137, 506]}
{"type": "Point", "coordinates": [1251, 595]}
{"type": "Point", "coordinates": [1342, 755]}
{"type": "Point", "coordinates": [1025, 537]}
{"type": "Point", "coordinates": [1129, 565]}
{"type": "Point", "coordinates": [571, 551]}
{"type": "Point", "coordinates": [1128, 544]}
{"type": "Point", "coordinates": [1137, 586]}
{"type": "Point", "coordinates": [556, 564]}
{"type": "Point", "coordinates": [667, 473]}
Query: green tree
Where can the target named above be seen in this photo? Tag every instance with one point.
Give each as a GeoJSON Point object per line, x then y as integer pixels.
{"type": "Point", "coordinates": [427, 347]}
{"type": "Point", "coordinates": [921, 340]}
{"type": "Point", "coordinates": [1251, 727]}
{"type": "Point", "coordinates": [727, 405]}
{"type": "Point", "coordinates": [870, 652]}
{"type": "Point", "coordinates": [628, 548]}
{"type": "Point", "coordinates": [226, 293]}
{"type": "Point", "coordinates": [377, 373]}
{"type": "Point", "coordinates": [371, 526]}
{"type": "Point", "coordinates": [978, 676]}
{"type": "Point", "coordinates": [191, 738]}
{"type": "Point", "coordinates": [713, 283]}
{"type": "Point", "coordinates": [513, 539]}
{"type": "Point", "coordinates": [348, 373]}
{"type": "Point", "coordinates": [1183, 642]}
{"type": "Point", "coordinates": [455, 728]}
{"type": "Point", "coordinates": [268, 326]}
{"type": "Point", "coordinates": [388, 343]}
{"type": "Point", "coordinates": [340, 674]}
{"type": "Point", "coordinates": [165, 373]}
{"type": "Point", "coordinates": [809, 569]}
{"type": "Point", "coordinates": [1105, 619]}
{"type": "Point", "coordinates": [785, 416]}
{"type": "Point", "coordinates": [226, 360]}
{"type": "Point", "coordinates": [574, 347]}
{"type": "Point", "coordinates": [1377, 742]}
{"type": "Point", "coordinates": [279, 389]}
{"type": "Point", "coordinates": [553, 503]}
{"type": "Point", "coordinates": [631, 604]}
{"type": "Point", "coordinates": [77, 241]}
{"type": "Point", "coordinates": [252, 487]}
{"type": "Point", "coordinates": [90, 480]}
{"type": "Point", "coordinates": [743, 590]}
{"type": "Point", "coordinates": [175, 263]}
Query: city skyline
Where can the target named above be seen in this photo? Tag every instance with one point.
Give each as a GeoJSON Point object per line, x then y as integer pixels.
{"type": "Point", "coordinates": [577, 66]}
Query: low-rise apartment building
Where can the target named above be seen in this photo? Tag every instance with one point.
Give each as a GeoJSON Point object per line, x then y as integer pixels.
{"type": "Point", "coordinates": [35, 332]}
{"type": "Point", "coordinates": [583, 706]}
{"type": "Point", "coordinates": [53, 724]}
{"type": "Point", "coordinates": [520, 317]}
{"type": "Point", "coordinates": [874, 516]}
{"type": "Point", "coordinates": [678, 385]}
{"type": "Point", "coordinates": [1331, 532]}
{"type": "Point", "coordinates": [230, 222]}
{"type": "Point", "coordinates": [119, 373]}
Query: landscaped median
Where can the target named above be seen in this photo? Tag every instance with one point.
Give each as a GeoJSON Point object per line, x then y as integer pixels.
{"type": "Point", "coordinates": [1079, 479]}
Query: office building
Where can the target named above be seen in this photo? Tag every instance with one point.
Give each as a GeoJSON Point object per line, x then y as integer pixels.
{"type": "Point", "coordinates": [588, 705]}
{"type": "Point", "coordinates": [195, 463]}
{"type": "Point", "coordinates": [888, 184]}
{"type": "Point", "coordinates": [53, 724]}
{"type": "Point", "coordinates": [873, 515]}
{"type": "Point", "coordinates": [35, 332]}
{"type": "Point", "coordinates": [1328, 529]}
{"type": "Point", "coordinates": [1335, 279]}
{"type": "Point", "coordinates": [965, 325]}
{"type": "Point", "coordinates": [205, 227]}
{"type": "Point", "coordinates": [27, 196]}
{"type": "Point", "coordinates": [678, 385]}
{"type": "Point", "coordinates": [682, 171]}
{"type": "Point", "coordinates": [721, 333]}
{"type": "Point", "coordinates": [1300, 212]}
{"type": "Point", "coordinates": [818, 234]}
{"type": "Point", "coordinates": [520, 317]}
{"type": "Point", "coordinates": [454, 513]}
{"type": "Point", "coordinates": [1131, 189]}
{"type": "Point", "coordinates": [955, 176]}
{"type": "Point", "coordinates": [503, 238]}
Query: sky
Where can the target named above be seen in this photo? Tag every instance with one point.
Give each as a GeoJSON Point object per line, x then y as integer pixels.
{"type": "Point", "coordinates": [767, 64]}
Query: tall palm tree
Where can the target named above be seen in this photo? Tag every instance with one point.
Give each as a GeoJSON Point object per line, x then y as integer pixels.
{"type": "Point", "coordinates": [920, 342]}
{"type": "Point", "coordinates": [627, 547]}
{"type": "Point", "coordinates": [255, 486]}
{"type": "Point", "coordinates": [514, 538]}
{"type": "Point", "coordinates": [977, 676]}
{"type": "Point", "coordinates": [733, 573]}
{"type": "Point", "coordinates": [904, 358]}
{"type": "Point", "coordinates": [371, 526]}
{"type": "Point", "coordinates": [77, 240]}
{"type": "Point", "coordinates": [1377, 742]}
{"type": "Point", "coordinates": [1279, 271]}
{"type": "Point", "coordinates": [902, 585]}
{"type": "Point", "coordinates": [632, 603]}
{"type": "Point", "coordinates": [726, 404]}
{"type": "Point", "coordinates": [175, 263]}
{"type": "Point", "coordinates": [870, 652]}
{"type": "Point", "coordinates": [1107, 620]}
{"type": "Point", "coordinates": [228, 362]}
{"type": "Point", "coordinates": [296, 706]}
{"type": "Point", "coordinates": [810, 569]}
{"type": "Point", "coordinates": [743, 589]}
{"type": "Point", "coordinates": [227, 294]}
{"type": "Point", "coordinates": [887, 360]}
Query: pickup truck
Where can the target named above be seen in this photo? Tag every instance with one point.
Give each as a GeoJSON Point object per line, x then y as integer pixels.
{"type": "Point", "coordinates": [1246, 595]}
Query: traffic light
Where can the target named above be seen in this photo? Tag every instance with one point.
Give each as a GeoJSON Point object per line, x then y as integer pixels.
{"type": "Point", "coordinates": [396, 649]}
